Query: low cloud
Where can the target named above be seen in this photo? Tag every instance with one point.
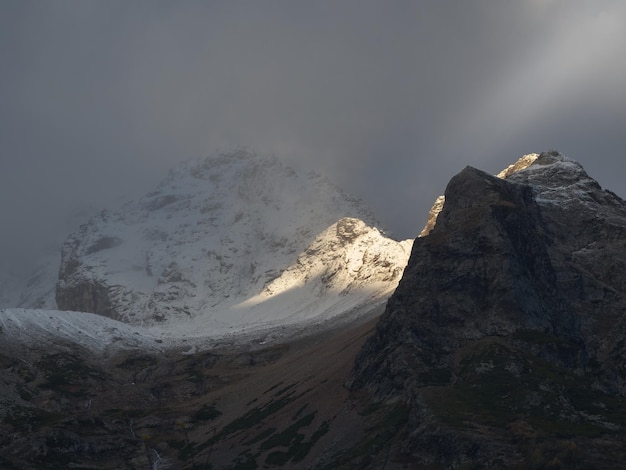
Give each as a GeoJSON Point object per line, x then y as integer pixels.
{"type": "Point", "coordinates": [99, 99]}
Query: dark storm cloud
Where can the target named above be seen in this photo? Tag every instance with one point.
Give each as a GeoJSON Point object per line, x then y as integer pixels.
{"type": "Point", "coordinates": [99, 98]}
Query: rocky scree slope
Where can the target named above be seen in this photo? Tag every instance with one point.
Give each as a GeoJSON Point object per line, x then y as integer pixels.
{"type": "Point", "coordinates": [231, 241]}
{"type": "Point", "coordinates": [506, 336]}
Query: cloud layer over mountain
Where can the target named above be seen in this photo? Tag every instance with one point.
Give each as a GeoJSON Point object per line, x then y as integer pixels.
{"type": "Point", "coordinates": [99, 99]}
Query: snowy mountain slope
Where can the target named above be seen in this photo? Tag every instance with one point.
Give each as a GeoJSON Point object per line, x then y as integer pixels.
{"type": "Point", "coordinates": [348, 255]}
{"type": "Point", "coordinates": [347, 266]}
{"type": "Point", "coordinates": [347, 272]}
{"type": "Point", "coordinates": [202, 252]}
{"type": "Point", "coordinates": [51, 329]}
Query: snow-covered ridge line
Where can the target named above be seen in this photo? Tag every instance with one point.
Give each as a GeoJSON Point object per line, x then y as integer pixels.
{"type": "Point", "coordinates": [53, 328]}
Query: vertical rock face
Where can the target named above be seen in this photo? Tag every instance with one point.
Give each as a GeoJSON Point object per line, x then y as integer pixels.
{"type": "Point", "coordinates": [510, 306]}
{"type": "Point", "coordinates": [437, 207]}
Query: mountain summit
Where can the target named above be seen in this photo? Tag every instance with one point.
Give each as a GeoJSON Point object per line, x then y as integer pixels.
{"type": "Point", "coordinates": [229, 242]}
{"type": "Point", "coordinates": [509, 323]}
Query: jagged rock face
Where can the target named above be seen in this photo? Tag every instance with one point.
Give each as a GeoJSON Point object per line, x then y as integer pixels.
{"type": "Point", "coordinates": [437, 207]}
{"type": "Point", "coordinates": [521, 281]}
{"type": "Point", "coordinates": [215, 233]}
{"type": "Point", "coordinates": [434, 212]}
{"type": "Point", "coordinates": [519, 165]}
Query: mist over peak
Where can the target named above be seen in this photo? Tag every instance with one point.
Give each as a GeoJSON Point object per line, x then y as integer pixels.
{"type": "Point", "coordinates": [213, 235]}
{"type": "Point", "coordinates": [99, 99]}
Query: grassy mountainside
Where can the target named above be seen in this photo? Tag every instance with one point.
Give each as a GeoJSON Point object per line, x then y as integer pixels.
{"type": "Point", "coordinates": [251, 407]}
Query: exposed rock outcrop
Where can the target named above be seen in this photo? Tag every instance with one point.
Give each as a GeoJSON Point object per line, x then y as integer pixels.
{"type": "Point", "coordinates": [434, 212]}
{"type": "Point", "coordinates": [510, 319]}
{"type": "Point", "coordinates": [437, 207]}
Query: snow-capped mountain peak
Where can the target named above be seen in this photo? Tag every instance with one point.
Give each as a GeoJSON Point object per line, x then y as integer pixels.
{"type": "Point", "coordinates": [216, 233]}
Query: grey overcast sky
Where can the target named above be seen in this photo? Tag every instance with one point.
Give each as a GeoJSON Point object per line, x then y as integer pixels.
{"type": "Point", "coordinates": [98, 99]}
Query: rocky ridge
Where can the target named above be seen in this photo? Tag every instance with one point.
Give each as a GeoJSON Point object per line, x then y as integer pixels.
{"type": "Point", "coordinates": [521, 164]}
{"type": "Point", "coordinates": [509, 323]}
{"type": "Point", "coordinates": [346, 256]}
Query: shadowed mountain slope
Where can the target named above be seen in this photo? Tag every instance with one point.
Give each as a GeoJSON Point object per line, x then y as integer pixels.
{"type": "Point", "coordinates": [508, 327]}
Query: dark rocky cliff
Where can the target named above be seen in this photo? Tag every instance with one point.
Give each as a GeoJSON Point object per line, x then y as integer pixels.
{"type": "Point", "coordinates": [508, 330]}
